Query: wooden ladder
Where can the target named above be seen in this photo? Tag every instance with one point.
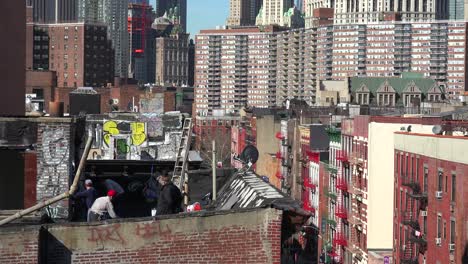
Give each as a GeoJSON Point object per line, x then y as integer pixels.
{"type": "Point", "coordinates": [178, 177]}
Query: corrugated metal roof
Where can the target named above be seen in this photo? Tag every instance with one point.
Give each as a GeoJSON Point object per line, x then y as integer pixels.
{"type": "Point", "coordinates": [250, 191]}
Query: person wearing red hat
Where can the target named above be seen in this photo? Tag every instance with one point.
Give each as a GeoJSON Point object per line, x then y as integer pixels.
{"type": "Point", "coordinates": [102, 207]}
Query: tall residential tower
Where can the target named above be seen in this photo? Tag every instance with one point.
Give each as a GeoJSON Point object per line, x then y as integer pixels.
{"type": "Point", "coordinates": [243, 12]}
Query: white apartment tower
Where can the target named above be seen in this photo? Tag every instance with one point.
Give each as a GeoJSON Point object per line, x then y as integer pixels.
{"type": "Point", "coordinates": [371, 11]}
{"type": "Point", "coordinates": [272, 12]}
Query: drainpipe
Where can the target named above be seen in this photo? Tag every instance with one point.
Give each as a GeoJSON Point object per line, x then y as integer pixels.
{"type": "Point", "coordinates": [60, 197]}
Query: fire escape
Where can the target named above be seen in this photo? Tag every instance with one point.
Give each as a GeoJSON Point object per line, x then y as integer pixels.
{"type": "Point", "coordinates": [415, 243]}
{"type": "Point", "coordinates": [356, 188]}
{"type": "Point", "coordinates": [340, 240]}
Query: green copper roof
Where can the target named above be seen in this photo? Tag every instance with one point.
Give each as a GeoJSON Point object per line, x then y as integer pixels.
{"type": "Point", "coordinates": [397, 83]}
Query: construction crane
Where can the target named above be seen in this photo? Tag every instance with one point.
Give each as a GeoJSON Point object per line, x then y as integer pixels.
{"type": "Point", "coordinates": [179, 177]}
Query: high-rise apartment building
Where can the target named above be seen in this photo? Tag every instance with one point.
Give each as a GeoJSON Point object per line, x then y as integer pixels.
{"type": "Point", "coordinates": [173, 8]}
{"type": "Point", "coordinates": [272, 12]}
{"type": "Point", "coordinates": [243, 12]}
{"type": "Point", "coordinates": [55, 11]}
{"type": "Point", "coordinates": [80, 54]}
{"type": "Point", "coordinates": [301, 59]}
{"type": "Point", "coordinates": [172, 64]}
{"type": "Point", "coordinates": [354, 12]}
{"type": "Point", "coordinates": [291, 63]}
{"type": "Point", "coordinates": [377, 50]}
{"type": "Point", "coordinates": [235, 68]}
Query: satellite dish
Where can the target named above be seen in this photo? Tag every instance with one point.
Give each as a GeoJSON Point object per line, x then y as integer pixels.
{"type": "Point", "coordinates": [437, 130]}
{"type": "Point", "coordinates": [249, 154]}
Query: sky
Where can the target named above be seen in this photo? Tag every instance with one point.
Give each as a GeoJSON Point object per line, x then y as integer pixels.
{"type": "Point", "coordinates": [205, 14]}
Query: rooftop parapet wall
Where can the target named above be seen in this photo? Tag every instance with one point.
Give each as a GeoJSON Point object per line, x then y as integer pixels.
{"type": "Point", "coordinates": [247, 236]}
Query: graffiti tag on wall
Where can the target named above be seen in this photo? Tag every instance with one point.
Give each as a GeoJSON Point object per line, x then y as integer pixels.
{"type": "Point", "coordinates": [54, 168]}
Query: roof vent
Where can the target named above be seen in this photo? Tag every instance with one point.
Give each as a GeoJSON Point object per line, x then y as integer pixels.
{"type": "Point", "coordinates": [437, 130]}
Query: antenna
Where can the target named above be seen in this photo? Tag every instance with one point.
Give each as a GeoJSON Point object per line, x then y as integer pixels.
{"type": "Point", "coordinates": [437, 130]}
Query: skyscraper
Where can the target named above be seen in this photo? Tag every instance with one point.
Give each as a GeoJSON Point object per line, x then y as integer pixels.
{"type": "Point", "coordinates": [55, 11]}
{"type": "Point", "coordinates": [113, 13]}
{"type": "Point", "coordinates": [243, 12]}
{"type": "Point", "coordinates": [140, 34]}
{"type": "Point", "coordinates": [368, 11]}
{"type": "Point", "coordinates": [176, 8]}
{"type": "Point", "coordinates": [272, 12]}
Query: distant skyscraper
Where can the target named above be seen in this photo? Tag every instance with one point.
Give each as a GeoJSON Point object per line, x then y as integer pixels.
{"type": "Point", "coordinates": [141, 51]}
{"type": "Point", "coordinates": [146, 2]}
{"type": "Point", "coordinates": [457, 9]}
{"type": "Point", "coordinates": [243, 12]}
{"type": "Point", "coordinates": [272, 12]}
{"type": "Point", "coordinates": [55, 11]}
{"type": "Point", "coordinates": [114, 14]}
{"type": "Point", "coordinates": [176, 8]}
{"type": "Point", "coordinates": [300, 5]}
{"type": "Point", "coordinates": [348, 12]}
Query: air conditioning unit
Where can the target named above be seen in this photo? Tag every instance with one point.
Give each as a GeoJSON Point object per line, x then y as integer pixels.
{"type": "Point", "coordinates": [438, 194]}
{"type": "Point", "coordinates": [438, 241]}
{"type": "Point", "coordinates": [423, 213]}
{"type": "Point", "coordinates": [452, 247]}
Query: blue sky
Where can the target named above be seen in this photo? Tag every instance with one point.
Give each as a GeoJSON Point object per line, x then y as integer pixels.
{"type": "Point", "coordinates": [205, 14]}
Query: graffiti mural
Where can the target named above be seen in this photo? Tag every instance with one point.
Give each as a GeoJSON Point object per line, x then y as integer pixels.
{"type": "Point", "coordinates": [123, 139]}
{"type": "Point", "coordinates": [54, 166]}
{"type": "Point", "coordinates": [135, 137]}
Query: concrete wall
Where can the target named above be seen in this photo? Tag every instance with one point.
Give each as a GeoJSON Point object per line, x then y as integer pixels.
{"type": "Point", "coordinates": [333, 90]}
{"type": "Point", "coordinates": [381, 179]}
{"type": "Point", "coordinates": [224, 237]}
{"type": "Point", "coordinates": [438, 147]}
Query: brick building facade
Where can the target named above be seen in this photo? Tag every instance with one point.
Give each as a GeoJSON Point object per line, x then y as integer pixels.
{"type": "Point", "coordinates": [80, 53]}
{"type": "Point", "coordinates": [430, 200]}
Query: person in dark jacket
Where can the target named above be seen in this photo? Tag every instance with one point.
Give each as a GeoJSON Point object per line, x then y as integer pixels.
{"type": "Point", "coordinates": [89, 195]}
{"type": "Point", "coordinates": [170, 197]}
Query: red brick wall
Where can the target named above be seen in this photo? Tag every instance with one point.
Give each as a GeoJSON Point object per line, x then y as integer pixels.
{"type": "Point", "coordinates": [252, 236]}
{"type": "Point", "coordinates": [19, 246]}
{"type": "Point", "coordinates": [435, 206]}
{"type": "Point", "coordinates": [30, 178]}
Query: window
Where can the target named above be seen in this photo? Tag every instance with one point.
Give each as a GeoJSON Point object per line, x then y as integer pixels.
{"type": "Point", "coordinates": [417, 169]}
{"type": "Point", "coordinates": [454, 188]}
{"type": "Point", "coordinates": [425, 224]}
{"type": "Point", "coordinates": [452, 231]}
{"type": "Point", "coordinates": [401, 198]}
{"type": "Point", "coordinates": [439, 226]}
{"type": "Point", "coordinates": [440, 180]}
{"type": "Point", "coordinates": [426, 172]}
{"type": "Point", "coordinates": [445, 230]}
